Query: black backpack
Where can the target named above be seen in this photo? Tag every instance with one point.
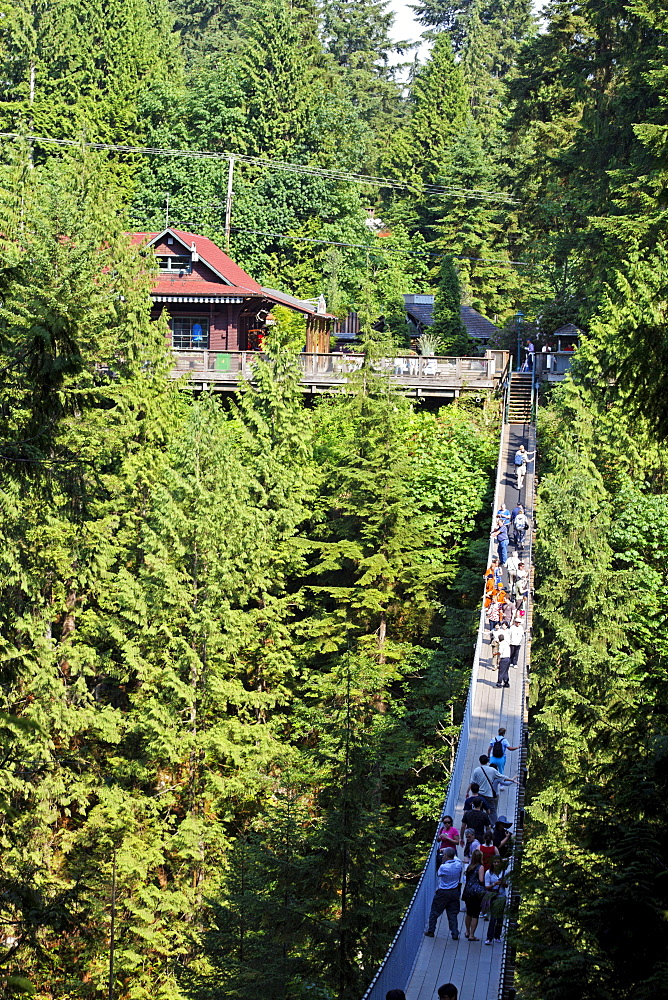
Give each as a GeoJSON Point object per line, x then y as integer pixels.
{"type": "Point", "coordinates": [497, 749]}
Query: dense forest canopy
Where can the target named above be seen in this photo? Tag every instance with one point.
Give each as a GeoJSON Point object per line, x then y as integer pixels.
{"type": "Point", "coordinates": [236, 639]}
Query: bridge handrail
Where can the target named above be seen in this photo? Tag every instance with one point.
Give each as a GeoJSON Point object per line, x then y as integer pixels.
{"type": "Point", "coordinates": [508, 948]}
{"type": "Point", "coordinates": [396, 968]}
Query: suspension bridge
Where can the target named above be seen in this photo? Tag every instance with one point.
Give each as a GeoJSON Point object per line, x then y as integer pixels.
{"type": "Point", "coordinates": [419, 964]}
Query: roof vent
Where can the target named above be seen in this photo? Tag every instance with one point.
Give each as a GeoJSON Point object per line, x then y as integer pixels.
{"type": "Point", "coordinates": [193, 252]}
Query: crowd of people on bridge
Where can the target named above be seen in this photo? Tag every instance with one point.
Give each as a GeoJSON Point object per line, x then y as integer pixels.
{"type": "Point", "coordinates": [505, 601]}
{"type": "Point", "coordinates": [474, 860]}
{"type": "Point", "coordinates": [479, 878]}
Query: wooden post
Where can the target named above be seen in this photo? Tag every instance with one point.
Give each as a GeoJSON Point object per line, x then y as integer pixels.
{"type": "Point", "coordinates": [228, 202]}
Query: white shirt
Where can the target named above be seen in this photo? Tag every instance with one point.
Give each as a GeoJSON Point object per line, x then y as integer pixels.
{"type": "Point", "coordinates": [492, 881]}
{"type": "Point", "coordinates": [515, 633]}
{"type": "Point", "coordinates": [483, 777]}
{"type": "Point", "coordinates": [512, 564]}
{"type": "Point", "coordinates": [504, 643]}
{"type": "Point", "coordinates": [450, 874]}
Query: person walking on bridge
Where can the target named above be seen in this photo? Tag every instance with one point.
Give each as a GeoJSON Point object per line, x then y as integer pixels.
{"type": "Point", "coordinates": [475, 819]}
{"type": "Point", "coordinates": [483, 776]}
{"type": "Point", "coordinates": [503, 514]}
{"type": "Point", "coordinates": [521, 525]}
{"type": "Point", "coordinates": [522, 457]}
{"type": "Point", "coordinates": [512, 565]}
{"type": "Point", "coordinates": [498, 748]}
{"type": "Point", "coordinates": [515, 634]}
{"type": "Point", "coordinates": [504, 657]}
{"type": "Point", "coordinates": [500, 534]}
{"type": "Point", "coordinates": [446, 896]}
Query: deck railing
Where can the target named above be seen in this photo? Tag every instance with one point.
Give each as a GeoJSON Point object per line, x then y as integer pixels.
{"type": "Point", "coordinates": [224, 366]}
{"type": "Point", "coordinates": [552, 364]}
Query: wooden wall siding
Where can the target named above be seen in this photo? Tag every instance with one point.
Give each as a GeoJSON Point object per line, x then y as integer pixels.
{"type": "Point", "coordinates": [223, 321]}
{"type": "Point", "coordinates": [317, 335]}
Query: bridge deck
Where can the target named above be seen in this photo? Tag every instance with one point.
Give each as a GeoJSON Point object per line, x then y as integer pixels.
{"type": "Point", "coordinates": [475, 968]}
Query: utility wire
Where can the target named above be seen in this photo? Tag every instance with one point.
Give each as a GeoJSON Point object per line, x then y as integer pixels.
{"type": "Point", "coordinates": [298, 168]}
{"type": "Point", "coordinates": [371, 247]}
{"type": "Point", "coordinates": [360, 246]}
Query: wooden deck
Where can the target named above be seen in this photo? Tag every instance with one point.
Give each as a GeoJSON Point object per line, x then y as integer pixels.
{"type": "Point", "coordinates": [475, 968]}
{"type": "Point", "coordinates": [445, 377]}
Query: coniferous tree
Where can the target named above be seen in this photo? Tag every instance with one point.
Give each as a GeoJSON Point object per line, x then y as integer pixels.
{"type": "Point", "coordinates": [448, 326]}
{"type": "Point", "coordinates": [74, 70]}
{"type": "Point", "coordinates": [357, 37]}
{"type": "Point", "coordinates": [439, 109]}
{"type": "Point", "coordinates": [477, 229]}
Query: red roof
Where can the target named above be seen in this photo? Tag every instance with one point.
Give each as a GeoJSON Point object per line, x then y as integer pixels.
{"type": "Point", "coordinates": [234, 280]}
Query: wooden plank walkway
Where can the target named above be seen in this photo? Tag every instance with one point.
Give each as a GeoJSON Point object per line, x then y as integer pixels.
{"type": "Point", "coordinates": [474, 967]}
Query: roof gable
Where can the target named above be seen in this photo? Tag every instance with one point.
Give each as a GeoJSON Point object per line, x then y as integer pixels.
{"type": "Point", "coordinates": [208, 253]}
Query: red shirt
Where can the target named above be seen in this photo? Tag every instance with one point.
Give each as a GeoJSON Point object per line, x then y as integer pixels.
{"type": "Point", "coordinates": [488, 853]}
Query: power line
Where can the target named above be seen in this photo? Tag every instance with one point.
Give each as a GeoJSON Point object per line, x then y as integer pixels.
{"type": "Point", "coordinates": [299, 168]}
{"type": "Point", "coordinates": [370, 247]}
{"type": "Point", "coordinates": [359, 246]}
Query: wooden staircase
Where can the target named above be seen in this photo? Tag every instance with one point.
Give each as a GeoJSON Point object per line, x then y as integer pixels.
{"type": "Point", "coordinates": [519, 398]}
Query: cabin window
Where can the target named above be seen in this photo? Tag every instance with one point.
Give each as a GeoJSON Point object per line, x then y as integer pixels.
{"type": "Point", "coordinates": [190, 333]}
{"type": "Point", "coordinates": [174, 263]}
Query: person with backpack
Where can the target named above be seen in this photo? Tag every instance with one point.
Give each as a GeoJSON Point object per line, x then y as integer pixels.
{"type": "Point", "coordinates": [498, 748]}
{"type": "Point", "coordinates": [520, 524]}
{"type": "Point", "coordinates": [520, 461]}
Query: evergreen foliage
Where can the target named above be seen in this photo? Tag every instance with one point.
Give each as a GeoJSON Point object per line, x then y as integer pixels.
{"type": "Point", "coordinates": [448, 325]}
{"type": "Point", "coordinates": [226, 636]}
{"type": "Point", "coordinates": [420, 151]}
{"type": "Point", "coordinates": [598, 726]}
{"type": "Point", "coordinates": [357, 36]}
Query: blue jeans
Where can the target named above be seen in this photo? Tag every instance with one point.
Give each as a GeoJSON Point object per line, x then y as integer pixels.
{"type": "Point", "coordinates": [502, 547]}
{"type": "Point", "coordinates": [500, 763]}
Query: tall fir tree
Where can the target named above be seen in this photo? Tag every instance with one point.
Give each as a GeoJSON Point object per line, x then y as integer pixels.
{"type": "Point", "coordinates": [439, 109]}
{"type": "Point", "coordinates": [77, 71]}
{"type": "Point", "coordinates": [448, 327]}
{"type": "Point", "coordinates": [357, 37]}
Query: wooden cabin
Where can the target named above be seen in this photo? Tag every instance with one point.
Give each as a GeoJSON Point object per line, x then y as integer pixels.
{"type": "Point", "coordinates": [213, 304]}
